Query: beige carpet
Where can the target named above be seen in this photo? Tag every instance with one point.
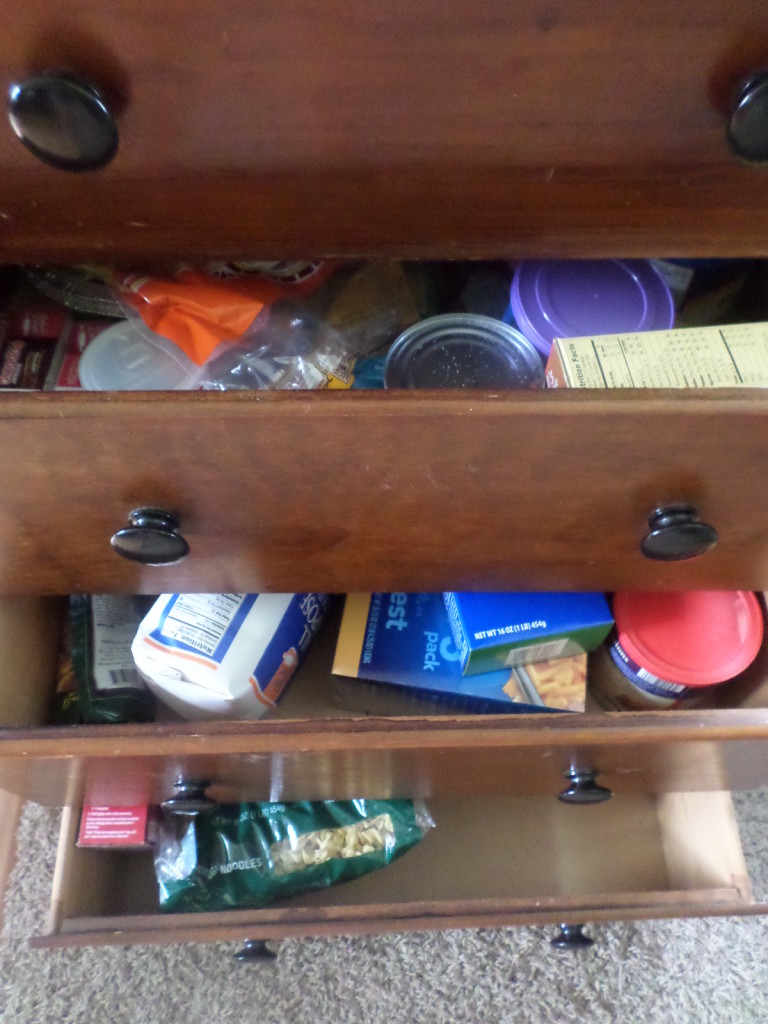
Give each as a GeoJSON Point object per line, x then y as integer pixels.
{"type": "Point", "coordinates": [648, 973]}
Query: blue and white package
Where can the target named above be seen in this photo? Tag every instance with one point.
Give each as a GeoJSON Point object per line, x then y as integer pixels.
{"type": "Point", "coordinates": [500, 631]}
{"type": "Point", "coordinates": [225, 655]}
{"type": "Point", "coordinates": [405, 641]}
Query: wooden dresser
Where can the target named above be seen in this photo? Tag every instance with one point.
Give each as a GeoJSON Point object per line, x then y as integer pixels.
{"type": "Point", "coordinates": [421, 131]}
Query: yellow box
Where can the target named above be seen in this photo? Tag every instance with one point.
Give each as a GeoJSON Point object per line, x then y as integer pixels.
{"type": "Point", "coordinates": [735, 355]}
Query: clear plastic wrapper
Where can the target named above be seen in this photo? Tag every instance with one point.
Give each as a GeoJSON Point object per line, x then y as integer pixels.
{"type": "Point", "coordinates": [251, 854]}
{"type": "Point", "coordinates": [83, 289]}
{"type": "Point", "coordinates": [193, 309]}
{"type": "Point", "coordinates": [287, 347]}
{"type": "Point", "coordinates": [248, 329]}
{"type": "Point", "coordinates": [316, 341]}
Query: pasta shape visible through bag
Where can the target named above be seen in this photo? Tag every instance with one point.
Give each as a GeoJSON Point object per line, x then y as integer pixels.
{"type": "Point", "coordinates": [312, 848]}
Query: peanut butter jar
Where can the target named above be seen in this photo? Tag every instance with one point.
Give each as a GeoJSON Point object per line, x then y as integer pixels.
{"type": "Point", "coordinates": [669, 648]}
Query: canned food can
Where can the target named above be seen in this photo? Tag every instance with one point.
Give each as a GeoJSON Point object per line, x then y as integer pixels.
{"type": "Point", "coordinates": [458, 350]}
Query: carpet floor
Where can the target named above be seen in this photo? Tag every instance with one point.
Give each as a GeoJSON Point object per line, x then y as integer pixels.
{"type": "Point", "coordinates": [689, 972]}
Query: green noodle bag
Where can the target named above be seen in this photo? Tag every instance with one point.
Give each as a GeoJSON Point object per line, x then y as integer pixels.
{"type": "Point", "coordinates": [249, 855]}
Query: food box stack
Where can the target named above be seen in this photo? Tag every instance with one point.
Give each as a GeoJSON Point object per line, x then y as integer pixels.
{"type": "Point", "coordinates": [28, 338]}
{"type": "Point", "coordinates": [531, 657]}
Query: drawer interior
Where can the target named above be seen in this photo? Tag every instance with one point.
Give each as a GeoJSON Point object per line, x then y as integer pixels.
{"type": "Point", "coordinates": [31, 630]}
{"type": "Point", "coordinates": [487, 859]}
{"type": "Point", "coordinates": [30, 635]}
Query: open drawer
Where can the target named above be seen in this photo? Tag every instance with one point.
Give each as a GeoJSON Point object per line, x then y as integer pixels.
{"type": "Point", "coordinates": [488, 863]}
{"type": "Point", "coordinates": [315, 748]}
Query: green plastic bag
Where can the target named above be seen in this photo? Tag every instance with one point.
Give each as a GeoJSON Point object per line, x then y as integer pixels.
{"type": "Point", "coordinates": [251, 854]}
{"type": "Point", "coordinates": [101, 630]}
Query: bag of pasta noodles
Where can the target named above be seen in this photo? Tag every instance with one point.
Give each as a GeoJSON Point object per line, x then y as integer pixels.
{"type": "Point", "coordinates": [251, 854]}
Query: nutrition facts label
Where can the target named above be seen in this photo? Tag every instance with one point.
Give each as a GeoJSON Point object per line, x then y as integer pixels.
{"type": "Point", "coordinates": [201, 621]}
{"type": "Point", "coordinates": [114, 620]}
{"type": "Point", "coordinates": [697, 357]}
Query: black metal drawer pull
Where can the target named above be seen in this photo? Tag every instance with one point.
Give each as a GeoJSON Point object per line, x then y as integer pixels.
{"type": "Point", "coordinates": [255, 951]}
{"type": "Point", "coordinates": [190, 798]}
{"type": "Point", "coordinates": [151, 538]}
{"type": "Point", "coordinates": [584, 789]}
{"type": "Point", "coordinates": [571, 936]}
{"type": "Point", "coordinates": [64, 121]}
{"type": "Point", "coordinates": [747, 131]}
{"type": "Point", "coordinates": [675, 534]}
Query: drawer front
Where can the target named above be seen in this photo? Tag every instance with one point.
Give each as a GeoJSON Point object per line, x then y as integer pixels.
{"type": "Point", "coordinates": [344, 492]}
{"type": "Point", "coordinates": [487, 863]}
{"type": "Point", "coordinates": [314, 747]}
{"type": "Point", "coordinates": [492, 128]}
{"type": "Point", "coordinates": [372, 758]}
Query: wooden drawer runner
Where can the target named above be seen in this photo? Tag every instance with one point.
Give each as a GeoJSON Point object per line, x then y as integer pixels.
{"type": "Point", "coordinates": [380, 491]}
{"type": "Point", "coordinates": [488, 863]}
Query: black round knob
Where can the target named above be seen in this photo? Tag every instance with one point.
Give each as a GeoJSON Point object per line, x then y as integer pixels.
{"type": "Point", "coordinates": [675, 534]}
{"type": "Point", "coordinates": [151, 538]}
{"type": "Point", "coordinates": [748, 124]}
{"type": "Point", "coordinates": [571, 936]}
{"type": "Point", "coordinates": [190, 799]}
{"type": "Point", "coordinates": [584, 789]}
{"type": "Point", "coordinates": [64, 121]}
{"type": "Point", "coordinates": [255, 951]}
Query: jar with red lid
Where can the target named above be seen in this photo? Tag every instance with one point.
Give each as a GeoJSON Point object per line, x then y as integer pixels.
{"type": "Point", "coordinates": [669, 648]}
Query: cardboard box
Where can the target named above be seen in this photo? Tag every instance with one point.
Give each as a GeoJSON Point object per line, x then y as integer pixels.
{"type": "Point", "coordinates": [405, 641]}
{"type": "Point", "coordinates": [39, 320]}
{"type": "Point", "coordinates": [30, 337]}
{"type": "Point", "coordinates": [114, 826]}
{"type": "Point", "coordinates": [735, 355]}
{"type": "Point", "coordinates": [24, 363]}
{"type": "Point", "coordinates": [496, 631]}
{"type": "Point", "coordinates": [64, 374]}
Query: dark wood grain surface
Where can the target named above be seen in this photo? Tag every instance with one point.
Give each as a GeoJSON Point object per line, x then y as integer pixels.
{"type": "Point", "coordinates": [344, 759]}
{"type": "Point", "coordinates": [539, 127]}
{"type": "Point", "coordinates": [381, 491]}
{"type": "Point", "coordinates": [368, 920]}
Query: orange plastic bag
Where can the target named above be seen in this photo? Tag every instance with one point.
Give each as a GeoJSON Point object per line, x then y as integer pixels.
{"type": "Point", "coordinates": [196, 311]}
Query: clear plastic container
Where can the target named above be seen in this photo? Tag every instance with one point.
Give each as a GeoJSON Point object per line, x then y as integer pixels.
{"type": "Point", "coordinates": [126, 358]}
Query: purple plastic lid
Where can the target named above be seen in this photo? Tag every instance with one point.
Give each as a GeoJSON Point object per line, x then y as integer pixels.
{"type": "Point", "coordinates": [577, 298]}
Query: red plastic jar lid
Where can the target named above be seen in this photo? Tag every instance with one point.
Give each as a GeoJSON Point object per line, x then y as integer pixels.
{"type": "Point", "coordinates": [694, 637]}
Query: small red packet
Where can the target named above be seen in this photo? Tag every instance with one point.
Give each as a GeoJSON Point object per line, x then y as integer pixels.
{"type": "Point", "coordinates": [114, 826]}
{"type": "Point", "coordinates": [65, 369]}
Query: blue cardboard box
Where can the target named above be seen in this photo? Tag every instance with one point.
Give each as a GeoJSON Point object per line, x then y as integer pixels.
{"type": "Point", "coordinates": [404, 641]}
{"type": "Point", "coordinates": [500, 631]}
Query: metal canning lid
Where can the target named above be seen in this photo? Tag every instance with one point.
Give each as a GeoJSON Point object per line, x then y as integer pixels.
{"type": "Point", "coordinates": [290, 273]}
{"type": "Point", "coordinates": [459, 350]}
